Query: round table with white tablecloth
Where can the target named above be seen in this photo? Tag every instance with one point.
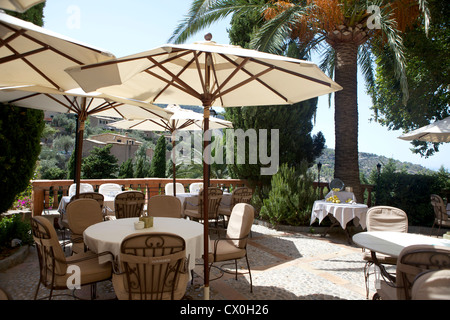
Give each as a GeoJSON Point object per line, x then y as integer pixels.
{"type": "Point", "coordinates": [108, 235]}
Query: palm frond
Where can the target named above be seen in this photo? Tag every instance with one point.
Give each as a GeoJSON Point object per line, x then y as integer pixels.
{"type": "Point", "coordinates": [203, 13]}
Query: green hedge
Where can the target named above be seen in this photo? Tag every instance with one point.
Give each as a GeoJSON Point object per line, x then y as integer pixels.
{"type": "Point", "coordinates": [14, 228]}
{"type": "Point", "coordinates": [409, 192]}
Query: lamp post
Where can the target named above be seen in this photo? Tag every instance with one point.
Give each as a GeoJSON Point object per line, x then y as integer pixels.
{"type": "Point", "coordinates": [378, 182]}
{"type": "Point", "coordinates": [319, 167]}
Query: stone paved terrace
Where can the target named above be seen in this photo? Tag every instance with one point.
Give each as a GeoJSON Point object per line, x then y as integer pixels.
{"type": "Point", "coordinates": [286, 265]}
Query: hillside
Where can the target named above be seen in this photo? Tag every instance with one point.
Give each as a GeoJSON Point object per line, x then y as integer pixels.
{"type": "Point", "coordinates": [367, 163]}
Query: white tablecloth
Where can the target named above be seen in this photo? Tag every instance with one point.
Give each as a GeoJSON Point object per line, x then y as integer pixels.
{"type": "Point", "coordinates": [108, 203]}
{"type": "Point", "coordinates": [192, 199]}
{"type": "Point", "coordinates": [342, 212]}
{"type": "Point", "coordinates": [108, 235]}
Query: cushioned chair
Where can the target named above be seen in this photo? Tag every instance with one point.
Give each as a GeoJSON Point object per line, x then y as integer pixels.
{"type": "Point", "coordinates": [129, 204]}
{"type": "Point", "coordinates": [234, 245]}
{"type": "Point", "coordinates": [53, 264]}
{"type": "Point", "coordinates": [4, 295]}
{"type": "Point", "coordinates": [153, 267]}
{"type": "Point", "coordinates": [195, 187]}
{"type": "Point", "coordinates": [164, 206]}
{"type": "Point", "coordinates": [412, 261]}
{"type": "Point", "coordinates": [383, 218]}
{"type": "Point", "coordinates": [82, 195]}
{"type": "Point", "coordinates": [440, 213]}
{"type": "Point", "coordinates": [239, 195]}
{"type": "Point", "coordinates": [432, 285]}
{"type": "Point", "coordinates": [82, 213]}
{"type": "Point", "coordinates": [214, 199]}
{"type": "Point", "coordinates": [179, 188]}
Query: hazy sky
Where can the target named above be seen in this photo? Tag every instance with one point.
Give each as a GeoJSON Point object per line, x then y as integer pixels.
{"type": "Point", "coordinates": [128, 27]}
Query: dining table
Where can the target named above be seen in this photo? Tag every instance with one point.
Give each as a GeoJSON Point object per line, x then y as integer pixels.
{"type": "Point", "coordinates": [339, 213]}
{"type": "Point", "coordinates": [392, 243]}
{"type": "Point", "coordinates": [107, 236]}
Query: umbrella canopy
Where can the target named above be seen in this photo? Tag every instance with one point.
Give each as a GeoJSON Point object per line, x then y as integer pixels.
{"type": "Point", "coordinates": [438, 131]}
{"type": "Point", "coordinates": [180, 119]}
{"type": "Point", "coordinates": [19, 5]}
{"type": "Point", "coordinates": [30, 54]}
{"type": "Point", "coordinates": [207, 74]}
{"type": "Point", "coordinates": [79, 103]}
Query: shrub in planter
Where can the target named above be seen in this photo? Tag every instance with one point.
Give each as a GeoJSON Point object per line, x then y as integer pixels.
{"type": "Point", "coordinates": [291, 197]}
{"type": "Point", "coordinates": [14, 228]}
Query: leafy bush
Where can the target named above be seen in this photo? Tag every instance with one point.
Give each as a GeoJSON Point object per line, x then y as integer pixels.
{"type": "Point", "coordinates": [291, 197]}
{"type": "Point", "coordinates": [14, 228]}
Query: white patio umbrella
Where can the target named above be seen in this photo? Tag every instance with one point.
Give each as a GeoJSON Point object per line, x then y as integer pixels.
{"type": "Point", "coordinates": [207, 74]}
{"type": "Point", "coordinates": [82, 104]}
{"type": "Point", "coordinates": [180, 119]}
{"type": "Point", "coordinates": [33, 55]}
{"type": "Point", "coordinates": [19, 5]}
{"type": "Point", "coordinates": [438, 131]}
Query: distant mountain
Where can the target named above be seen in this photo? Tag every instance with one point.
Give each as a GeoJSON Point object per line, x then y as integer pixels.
{"type": "Point", "coordinates": [367, 163]}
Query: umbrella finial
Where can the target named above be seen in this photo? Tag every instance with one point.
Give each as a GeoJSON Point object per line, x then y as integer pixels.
{"type": "Point", "coordinates": [208, 36]}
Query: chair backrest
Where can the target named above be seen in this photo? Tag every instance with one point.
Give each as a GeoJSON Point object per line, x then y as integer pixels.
{"type": "Point", "coordinates": [110, 189]}
{"type": "Point", "coordinates": [50, 253]}
{"type": "Point", "coordinates": [416, 259]}
{"type": "Point", "coordinates": [129, 204]}
{"type": "Point", "coordinates": [439, 207]}
{"type": "Point", "coordinates": [164, 206]}
{"type": "Point", "coordinates": [84, 187]}
{"type": "Point", "coordinates": [195, 187]}
{"type": "Point", "coordinates": [385, 218]}
{"type": "Point", "coordinates": [240, 224]}
{"type": "Point", "coordinates": [241, 195]}
{"type": "Point", "coordinates": [432, 285]}
{"type": "Point", "coordinates": [90, 195]}
{"type": "Point", "coordinates": [214, 199]}
{"type": "Point", "coordinates": [82, 213]}
{"type": "Point", "coordinates": [152, 263]}
{"type": "Point", "coordinates": [179, 188]}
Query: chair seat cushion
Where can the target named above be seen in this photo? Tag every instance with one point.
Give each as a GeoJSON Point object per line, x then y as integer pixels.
{"type": "Point", "coordinates": [382, 258]}
{"type": "Point", "coordinates": [444, 223]}
{"type": "Point", "coordinates": [387, 291]}
{"type": "Point", "coordinates": [193, 214]}
{"type": "Point", "coordinates": [118, 281]}
{"type": "Point", "coordinates": [226, 250]}
{"type": "Point", "coordinates": [225, 210]}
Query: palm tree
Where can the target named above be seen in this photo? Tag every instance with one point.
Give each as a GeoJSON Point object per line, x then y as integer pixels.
{"type": "Point", "coordinates": [345, 31]}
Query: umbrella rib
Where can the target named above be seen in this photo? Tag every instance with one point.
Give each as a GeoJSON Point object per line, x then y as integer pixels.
{"type": "Point", "coordinates": [325, 83]}
{"type": "Point", "coordinates": [188, 89]}
{"type": "Point", "coordinates": [241, 67]}
{"type": "Point", "coordinates": [172, 82]}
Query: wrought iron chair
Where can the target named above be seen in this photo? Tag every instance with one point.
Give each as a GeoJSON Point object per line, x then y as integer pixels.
{"type": "Point", "coordinates": [82, 213]}
{"type": "Point", "coordinates": [129, 204]}
{"type": "Point", "coordinates": [54, 265]}
{"type": "Point", "coordinates": [234, 245]}
{"type": "Point", "coordinates": [383, 218]}
{"type": "Point", "coordinates": [239, 195]}
{"type": "Point", "coordinates": [153, 267]}
{"type": "Point", "coordinates": [412, 261]}
{"type": "Point", "coordinates": [441, 217]}
{"type": "Point", "coordinates": [164, 206]}
{"type": "Point", "coordinates": [214, 199]}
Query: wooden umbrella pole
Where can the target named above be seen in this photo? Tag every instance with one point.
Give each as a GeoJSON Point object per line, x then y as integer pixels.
{"type": "Point", "coordinates": [205, 203]}
{"type": "Point", "coordinates": [173, 163]}
{"type": "Point", "coordinates": [82, 116]}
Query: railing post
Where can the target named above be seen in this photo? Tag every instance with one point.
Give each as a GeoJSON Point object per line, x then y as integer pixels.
{"type": "Point", "coordinates": [37, 197]}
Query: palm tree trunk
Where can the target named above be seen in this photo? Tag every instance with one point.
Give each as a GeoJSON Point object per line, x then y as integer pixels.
{"type": "Point", "coordinates": [346, 166]}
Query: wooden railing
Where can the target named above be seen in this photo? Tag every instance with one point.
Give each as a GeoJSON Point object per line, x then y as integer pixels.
{"type": "Point", "coordinates": [47, 193]}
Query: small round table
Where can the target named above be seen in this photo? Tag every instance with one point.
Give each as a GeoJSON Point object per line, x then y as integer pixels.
{"type": "Point", "coordinates": [108, 235]}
